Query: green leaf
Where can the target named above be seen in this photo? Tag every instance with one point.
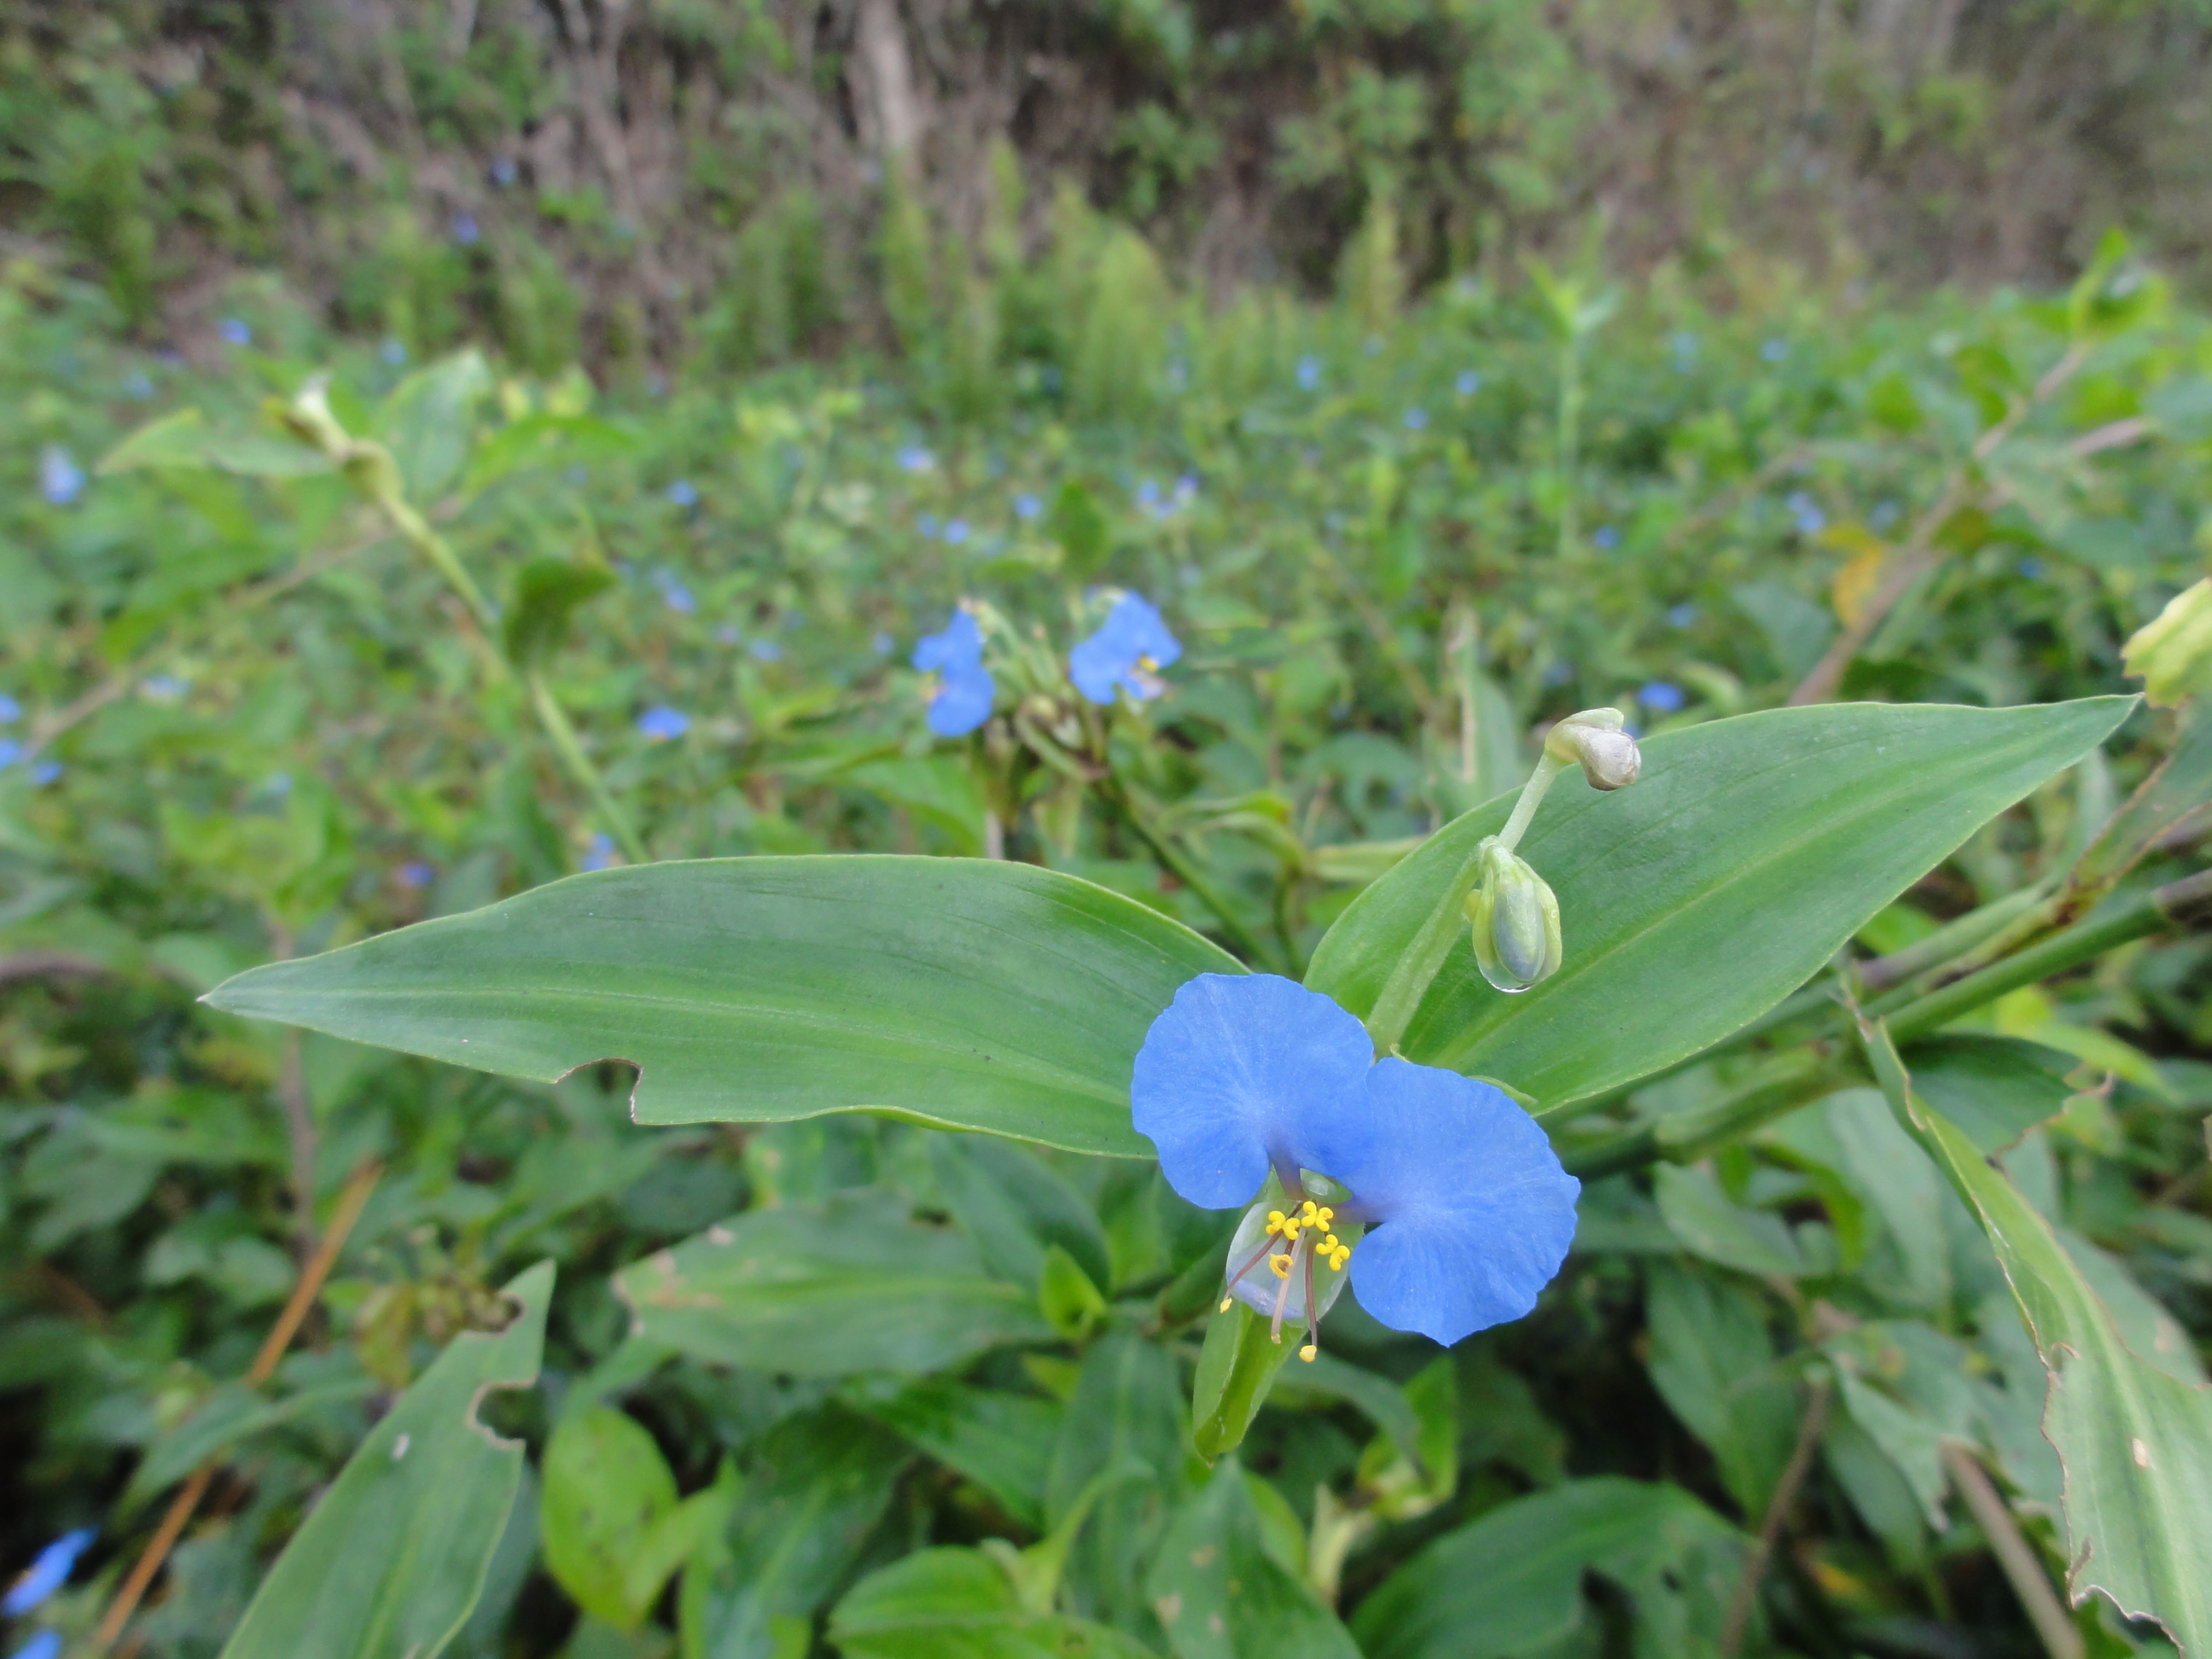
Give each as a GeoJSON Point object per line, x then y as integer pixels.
{"type": "Point", "coordinates": [395, 1552]}
{"type": "Point", "coordinates": [183, 441]}
{"type": "Point", "coordinates": [1016, 1207]}
{"type": "Point", "coordinates": [969, 994]}
{"type": "Point", "coordinates": [1072, 1304]}
{"type": "Point", "coordinates": [1219, 1593]}
{"type": "Point", "coordinates": [178, 440]}
{"type": "Point", "coordinates": [1993, 1088]}
{"type": "Point", "coordinates": [1712, 1225]}
{"type": "Point", "coordinates": [1002, 1442]}
{"type": "Point", "coordinates": [1713, 1360]}
{"type": "Point", "coordinates": [606, 1487]}
{"type": "Point", "coordinates": [1910, 1388]}
{"type": "Point", "coordinates": [1127, 1408]}
{"type": "Point", "coordinates": [227, 1417]}
{"type": "Point", "coordinates": [428, 421]}
{"type": "Point", "coordinates": [820, 1483]}
{"type": "Point", "coordinates": [1752, 850]}
{"type": "Point", "coordinates": [960, 1604]}
{"type": "Point", "coordinates": [816, 1290]}
{"type": "Point", "coordinates": [548, 593]}
{"type": "Point", "coordinates": [1510, 1582]}
{"type": "Point", "coordinates": [2136, 1443]}
{"type": "Point", "coordinates": [545, 440]}
{"type": "Point", "coordinates": [1237, 1369]}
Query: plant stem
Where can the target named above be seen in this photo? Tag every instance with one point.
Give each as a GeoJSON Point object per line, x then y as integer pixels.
{"type": "Point", "coordinates": [1570, 440]}
{"type": "Point", "coordinates": [571, 751]}
{"type": "Point", "coordinates": [1777, 1511]}
{"type": "Point", "coordinates": [1118, 795]}
{"type": "Point", "coordinates": [2014, 1554]}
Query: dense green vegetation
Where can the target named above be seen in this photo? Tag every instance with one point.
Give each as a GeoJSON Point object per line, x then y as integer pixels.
{"type": "Point", "coordinates": [334, 621]}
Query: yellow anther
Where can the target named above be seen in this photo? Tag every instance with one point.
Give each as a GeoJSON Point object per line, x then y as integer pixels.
{"type": "Point", "coordinates": [1225, 1301]}
{"type": "Point", "coordinates": [1308, 1353]}
{"type": "Point", "coordinates": [1324, 1215]}
{"type": "Point", "coordinates": [1310, 1212]}
{"type": "Point", "coordinates": [1281, 1264]}
{"type": "Point", "coordinates": [1290, 1231]}
{"type": "Point", "coordinates": [1274, 1221]}
{"type": "Point", "coordinates": [1329, 1243]}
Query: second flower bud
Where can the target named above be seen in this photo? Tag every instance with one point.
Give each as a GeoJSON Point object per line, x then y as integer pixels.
{"type": "Point", "coordinates": [1515, 919]}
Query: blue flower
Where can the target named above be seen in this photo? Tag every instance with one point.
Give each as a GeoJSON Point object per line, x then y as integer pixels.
{"type": "Point", "coordinates": [1774, 351]}
{"type": "Point", "coordinates": [1308, 372]}
{"type": "Point", "coordinates": [2032, 568]}
{"type": "Point", "coordinates": [881, 643]}
{"type": "Point", "coordinates": [661, 722]}
{"type": "Point", "coordinates": [136, 385]}
{"type": "Point", "coordinates": [394, 352]}
{"type": "Point", "coordinates": [1468, 383]}
{"type": "Point", "coordinates": [504, 171]}
{"type": "Point", "coordinates": [1661, 698]}
{"type": "Point", "coordinates": [415, 873]}
{"type": "Point", "coordinates": [683, 493]}
{"type": "Point", "coordinates": [46, 1645]}
{"type": "Point", "coordinates": [1683, 614]}
{"type": "Point", "coordinates": [765, 651]}
{"type": "Point", "coordinates": [956, 531]}
{"type": "Point", "coordinates": [234, 331]}
{"type": "Point", "coordinates": [465, 230]}
{"type": "Point", "coordinates": [926, 524]}
{"type": "Point", "coordinates": [961, 688]}
{"type": "Point", "coordinates": [1605, 536]}
{"type": "Point", "coordinates": [10, 710]}
{"type": "Point", "coordinates": [1416, 419]}
{"type": "Point", "coordinates": [674, 593]}
{"type": "Point", "coordinates": [1467, 1211]}
{"type": "Point", "coordinates": [48, 1573]}
{"type": "Point", "coordinates": [1128, 646]}
{"type": "Point", "coordinates": [46, 772]}
{"type": "Point", "coordinates": [602, 854]}
{"type": "Point", "coordinates": [915, 458]}
{"type": "Point", "coordinates": [10, 752]}
{"type": "Point", "coordinates": [1027, 506]}
{"type": "Point", "coordinates": [61, 480]}
{"type": "Point", "coordinates": [1147, 493]}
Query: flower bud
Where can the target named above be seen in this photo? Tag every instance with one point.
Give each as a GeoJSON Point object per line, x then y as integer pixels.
{"type": "Point", "coordinates": [1595, 740]}
{"type": "Point", "coordinates": [1516, 922]}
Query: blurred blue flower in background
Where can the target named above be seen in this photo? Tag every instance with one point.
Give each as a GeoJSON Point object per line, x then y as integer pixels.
{"type": "Point", "coordinates": [136, 385]}
{"type": "Point", "coordinates": [1774, 351]}
{"type": "Point", "coordinates": [683, 493]}
{"type": "Point", "coordinates": [926, 523]}
{"type": "Point", "coordinates": [234, 329]}
{"type": "Point", "coordinates": [961, 689]}
{"type": "Point", "coordinates": [882, 643]}
{"type": "Point", "coordinates": [1683, 615]}
{"type": "Point", "coordinates": [1605, 536]}
{"type": "Point", "coordinates": [2032, 568]}
{"type": "Point", "coordinates": [915, 458]}
{"type": "Point", "coordinates": [48, 1573]}
{"type": "Point", "coordinates": [1122, 653]}
{"type": "Point", "coordinates": [394, 352]}
{"type": "Point", "coordinates": [1027, 506]}
{"type": "Point", "coordinates": [956, 531]}
{"type": "Point", "coordinates": [1807, 510]}
{"type": "Point", "coordinates": [1468, 383]}
{"type": "Point", "coordinates": [1147, 493]}
{"type": "Point", "coordinates": [46, 1645]}
{"type": "Point", "coordinates": [1469, 1211]}
{"type": "Point", "coordinates": [673, 592]}
{"type": "Point", "coordinates": [10, 752]}
{"type": "Point", "coordinates": [61, 480]}
{"type": "Point", "coordinates": [602, 853]}
{"type": "Point", "coordinates": [1308, 372]}
{"type": "Point", "coordinates": [504, 171]}
{"type": "Point", "coordinates": [415, 873]}
{"type": "Point", "coordinates": [661, 722]}
{"type": "Point", "coordinates": [46, 772]}
{"type": "Point", "coordinates": [1661, 698]}
{"type": "Point", "coordinates": [765, 651]}
{"type": "Point", "coordinates": [10, 710]}
{"type": "Point", "coordinates": [1416, 419]}
{"type": "Point", "coordinates": [465, 230]}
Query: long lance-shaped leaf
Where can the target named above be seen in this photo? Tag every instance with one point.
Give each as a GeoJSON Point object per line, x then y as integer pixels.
{"type": "Point", "coordinates": [1752, 850]}
{"type": "Point", "coordinates": [395, 1554]}
{"type": "Point", "coordinates": [971, 993]}
{"type": "Point", "coordinates": [2135, 1443]}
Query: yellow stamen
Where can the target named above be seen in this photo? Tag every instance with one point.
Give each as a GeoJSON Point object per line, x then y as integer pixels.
{"type": "Point", "coordinates": [1281, 1264]}
{"type": "Point", "coordinates": [1308, 1353]}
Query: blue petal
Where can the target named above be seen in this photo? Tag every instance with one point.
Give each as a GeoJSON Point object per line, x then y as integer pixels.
{"type": "Point", "coordinates": [962, 702]}
{"type": "Point", "coordinates": [1097, 664]}
{"type": "Point", "coordinates": [1243, 1069]}
{"type": "Point", "coordinates": [48, 1573]}
{"type": "Point", "coordinates": [1475, 1212]}
{"type": "Point", "coordinates": [959, 646]}
{"type": "Point", "coordinates": [1109, 658]}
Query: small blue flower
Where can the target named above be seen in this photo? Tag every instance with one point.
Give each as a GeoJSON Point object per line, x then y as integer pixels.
{"type": "Point", "coordinates": [1774, 351]}
{"type": "Point", "coordinates": [1416, 419]}
{"type": "Point", "coordinates": [465, 230]}
{"type": "Point", "coordinates": [1372, 345]}
{"type": "Point", "coordinates": [882, 643]}
{"type": "Point", "coordinates": [673, 592]}
{"type": "Point", "coordinates": [1147, 493]}
{"type": "Point", "coordinates": [276, 785]}
{"type": "Point", "coordinates": [1469, 1214]}
{"type": "Point", "coordinates": [961, 689]}
{"type": "Point", "coordinates": [235, 329]}
{"type": "Point", "coordinates": [1684, 344]}
{"type": "Point", "coordinates": [415, 873]}
{"type": "Point", "coordinates": [1885, 514]}
{"type": "Point", "coordinates": [683, 493]}
{"type": "Point", "coordinates": [10, 710]}
{"type": "Point", "coordinates": [1605, 536]}
{"type": "Point", "coordinates": [602, 853]}
{"type": "Point", "coordinates": [1308, 372]}
{"type": "Point", "coordinates": [10, 752]}
{"type": "Point", "coordinates": [61, 480]}
{"type": "Point", "coordinates": [926, 523]}
{"type": "Point", "coordinates": [136, 385]}
{"type": "Point", "coordinates": [2032, 568]}
{"type": "Point", "coordinates": [1683, 614]}
{"type": "Point", "coordinates": [48, 1573]}
{"type": "Point", "coordinates": [394, 352]}
{"type": "Point", "coordinates": [915, 458]}
{"type": "Point", "coordinates": [661, 722]}
{"type": "Point", "coordinates": [1027, 506]}
{"type": "Point", "coordinates": [504, 171]}
{"type": "Point", "coordinates": [956, 531]}
{"type": "Point", "coordinates": [46, 772]}
{"type": "Point", "coordinates": [729, 634]}
{"type": "Point", "coordinates": [1661, 698]}
{"type": "Point", "coordinates": [1468, 383]}
{"type": "Point", "coordinates": [1129, 645]}
{"type": "Point", "coordinates": [46, 1645]}
{"type": "Point", "coordinates": [765, 651]}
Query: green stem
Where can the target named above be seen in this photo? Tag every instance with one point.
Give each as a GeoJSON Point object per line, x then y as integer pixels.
{"type": "Point", "coordinates": [571, 751]}
{"type": "Point", "coordinates": [1570, 438]}
{"type": "Point", "coordinates": [2146, 913]}
{"type": "Point", "coordinates": [1417, 969]}
{"type": "Point", "coordinates": [1123, 800]}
